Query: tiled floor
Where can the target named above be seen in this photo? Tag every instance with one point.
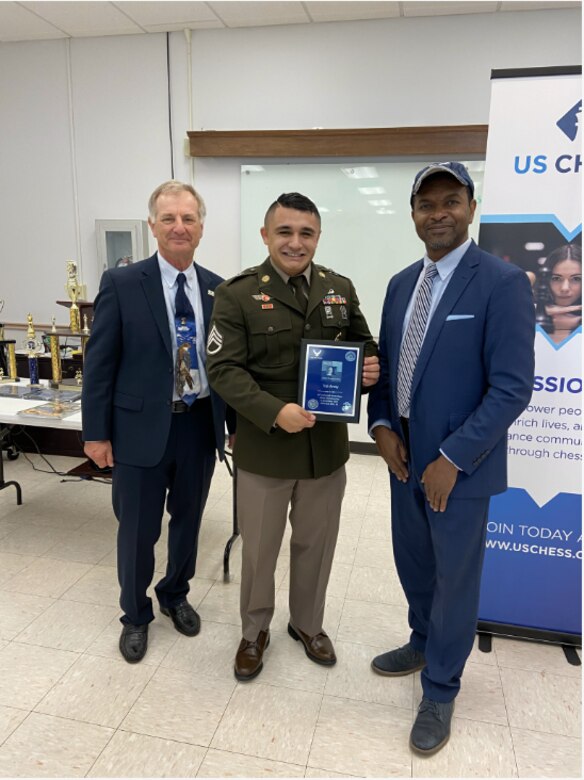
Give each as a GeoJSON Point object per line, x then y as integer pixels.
{"type": "Point", "coordinates": [71, 707]}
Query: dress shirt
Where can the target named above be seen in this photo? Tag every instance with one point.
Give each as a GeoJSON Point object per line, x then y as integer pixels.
{"type": "Point", "coordinates": [169, 286]}
{"type": "Point", "coordinates": [446, 267]}
{"type": "Point", "coordinates": [285, 278]}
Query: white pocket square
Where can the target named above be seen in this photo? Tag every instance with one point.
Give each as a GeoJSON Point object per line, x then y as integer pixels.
{"type": "Point", "coordinates": [460, 317]}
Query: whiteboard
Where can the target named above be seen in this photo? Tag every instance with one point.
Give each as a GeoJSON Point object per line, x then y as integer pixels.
{"type": "Point", "coordinates": [367, 229]}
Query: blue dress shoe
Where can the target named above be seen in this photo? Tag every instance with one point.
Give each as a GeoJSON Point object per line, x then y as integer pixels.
{"type": "Point", "coordinates": [431, 729]}
{"type": "Point", "coordinates": [134, 642]}
{"type": "Point", "coordinates": [184, 617]}
{"type": "Point", "coordinates": [396, 663]}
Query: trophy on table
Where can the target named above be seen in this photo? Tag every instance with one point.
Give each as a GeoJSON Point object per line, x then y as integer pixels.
{"type": "Point", "coordinates": [7, 355]}
{"type": "Point", "coordinates": [76, 307]}
{"type": "Point", "coordinates": [33, 347]}
{"type": "Point", "coordinates": [73, 289]}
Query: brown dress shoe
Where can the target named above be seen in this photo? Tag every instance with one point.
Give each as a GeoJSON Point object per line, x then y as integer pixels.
{"type": "Point", "coordinates": [248, 659]}
{"type": "Point", "coordinates": [318, 648]}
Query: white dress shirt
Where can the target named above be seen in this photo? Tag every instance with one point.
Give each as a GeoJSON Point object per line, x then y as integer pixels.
{"type": "Point", "coordinates": [169, 286]}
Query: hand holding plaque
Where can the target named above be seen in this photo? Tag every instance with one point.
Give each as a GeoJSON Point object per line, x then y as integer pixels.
{"type": "Point", "coordinates": [330, 379]}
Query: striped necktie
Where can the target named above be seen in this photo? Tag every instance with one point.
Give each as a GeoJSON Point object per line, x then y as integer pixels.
{"type": "Point", "coordinates": [413, 339]}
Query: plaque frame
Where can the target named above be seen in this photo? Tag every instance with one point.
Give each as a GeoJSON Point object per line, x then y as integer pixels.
{"type": "Point", "coordinates": [338, 350]}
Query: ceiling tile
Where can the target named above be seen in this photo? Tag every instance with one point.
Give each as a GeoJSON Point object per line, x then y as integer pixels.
{"type": "Point", "coordinates": [259, 14]}
{"type": "Point", "coordinates": [155, 14]}
{"type": "Point", "coordinates": [19, 24]}
{"type": "Point", "coordinates": [539, 6]}
{"type": "Point", "coordinates": [351, 11]}
{"type": "Point", "coordinates": [82, 19]}
{"type": "Point", "coordinates": [448, 8]}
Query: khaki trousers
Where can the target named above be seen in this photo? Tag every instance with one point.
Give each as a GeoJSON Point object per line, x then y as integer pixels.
{"type": "Point", "coordinates": [315, 510]}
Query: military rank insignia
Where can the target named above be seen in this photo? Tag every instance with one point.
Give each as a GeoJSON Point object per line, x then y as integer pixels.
{"type": "Point", "coordinates": [215, 341]}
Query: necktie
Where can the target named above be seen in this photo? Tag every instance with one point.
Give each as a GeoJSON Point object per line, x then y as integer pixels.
{"type": "Point", "coordinates": [187, 378]}
{"type": "Point", "coordinates": [297, 285]}
{"type": "Point", "coordinates": [413, 339]}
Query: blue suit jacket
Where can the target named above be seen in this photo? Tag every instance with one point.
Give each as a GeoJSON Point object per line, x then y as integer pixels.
{"type": "Point", "coordinates": [128, 372]}
{"type": "Point", "coordinates": [474, 374]}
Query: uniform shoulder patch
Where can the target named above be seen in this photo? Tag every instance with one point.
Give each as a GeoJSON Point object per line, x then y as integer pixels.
{"type": "Point", "coordinates": [335, 273]}
{"type": "Point", "coordinates": [243, 274]}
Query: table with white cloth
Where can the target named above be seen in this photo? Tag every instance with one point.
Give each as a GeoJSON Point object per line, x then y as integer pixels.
{"type": "Point", "coordinates": [9, 409]}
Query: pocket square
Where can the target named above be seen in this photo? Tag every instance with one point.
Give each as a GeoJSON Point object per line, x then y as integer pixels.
{"type": "Point", "coordinates": [460, 317]}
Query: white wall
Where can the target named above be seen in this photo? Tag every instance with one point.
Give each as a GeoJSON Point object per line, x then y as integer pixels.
{"type": "Point", "coordinates": [388, 73]}
{"type": "Point", "coordinates": [84, 124]}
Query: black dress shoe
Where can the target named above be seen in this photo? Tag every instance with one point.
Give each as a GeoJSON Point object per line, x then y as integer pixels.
{"type": "Point", "coordinates": [398, 662]}
{"type": "Point", "coordinates": [431, 729]}
{"type": "Point", "coordinates": [134, 642]}
{"type": "Point", "coordinates": [249, 657]}
{"type": "Point", "coordinates": [184, 617]}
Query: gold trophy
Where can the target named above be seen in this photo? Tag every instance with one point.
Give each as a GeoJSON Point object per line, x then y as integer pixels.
{"type": "Point", "coordinates": [73, 289]}
{"type": "Point", "coordinates": [33, 347]}
{"type": "Point", "coordinates": [56, 369]}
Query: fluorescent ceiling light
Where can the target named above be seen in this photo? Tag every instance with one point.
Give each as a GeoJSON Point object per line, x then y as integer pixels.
{"type": "Point", "coordinates": [380, 202]}
{"type": "Point", "coordinates": [385, 211]}
{"type": "Point", "coordinates": [534, 246]}
{"type": "Point", "coordinates": [362, 172]}
{"type": "Point", "coordinates": [371, 190]}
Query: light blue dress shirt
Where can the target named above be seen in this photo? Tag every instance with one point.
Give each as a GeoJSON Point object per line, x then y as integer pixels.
{"type": "Point", "coordinates": [169, 287]}
{"type": "Point", "coordinates": [446, 267]}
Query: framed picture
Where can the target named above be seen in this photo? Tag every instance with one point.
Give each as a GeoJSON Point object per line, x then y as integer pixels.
{"type": "Point", "coordinates": [120, 242]}
{"type": "Point", "coordinates": [329, 384]}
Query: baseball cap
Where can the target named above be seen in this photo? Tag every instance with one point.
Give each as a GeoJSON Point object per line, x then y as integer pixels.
{"type": "Point", "coordinates": [456, 169]}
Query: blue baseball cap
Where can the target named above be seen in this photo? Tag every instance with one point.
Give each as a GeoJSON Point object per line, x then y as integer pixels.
{"type": "Point", "coordinates": [456, 169]}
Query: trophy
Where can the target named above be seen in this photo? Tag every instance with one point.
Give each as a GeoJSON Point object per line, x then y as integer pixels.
{"type": "Point", "coordinates": [33, 347]}
{"type": "Point", "coordinates": [56, 370]}
{"type": "Point", "coordinates": [4, 348]}
{"type": "Point", "coordinates": [73, 289]}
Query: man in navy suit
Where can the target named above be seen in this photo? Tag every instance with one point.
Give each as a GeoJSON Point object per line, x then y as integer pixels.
{"type": "Point", "coordinates": [149, 413]}
{"type": "Point", "coordinates": [457, 363]}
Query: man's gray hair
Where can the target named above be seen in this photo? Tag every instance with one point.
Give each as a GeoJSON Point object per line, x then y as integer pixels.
{"type": "Point", "coordinates": [173, 187]}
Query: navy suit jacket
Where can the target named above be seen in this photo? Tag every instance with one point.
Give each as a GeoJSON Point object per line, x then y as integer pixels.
{"type": "Point", "coordinates": [474, 374]}
{"type": "Point", "coordinates": [128, 371]}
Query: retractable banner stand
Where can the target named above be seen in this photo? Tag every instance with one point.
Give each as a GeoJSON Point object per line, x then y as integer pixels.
{"type": "Point", "coordinates": [531, 216]}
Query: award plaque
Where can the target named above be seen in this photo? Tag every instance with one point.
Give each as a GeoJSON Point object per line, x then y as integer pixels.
{"type": "Point", "coordinates": [329, 384]}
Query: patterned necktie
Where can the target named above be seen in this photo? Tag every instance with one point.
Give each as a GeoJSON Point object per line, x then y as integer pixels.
{"type": "Point", "coordinates": [187, 378]}
{"type": "Point", "coordinates": [413, 339]}
{"type": "Point", "coordinates": [297, 285]}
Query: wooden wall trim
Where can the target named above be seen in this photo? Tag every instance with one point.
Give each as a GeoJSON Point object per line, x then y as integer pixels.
{"type": "Point", "coordinates": [358, 142]}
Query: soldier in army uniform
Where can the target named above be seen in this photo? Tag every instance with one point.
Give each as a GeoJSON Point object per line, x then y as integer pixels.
{"type": "Point", "coordinates": [284, 456]}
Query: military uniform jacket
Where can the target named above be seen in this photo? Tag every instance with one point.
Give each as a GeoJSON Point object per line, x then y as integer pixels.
{"type": "Point", "coordinates": [253, 357]}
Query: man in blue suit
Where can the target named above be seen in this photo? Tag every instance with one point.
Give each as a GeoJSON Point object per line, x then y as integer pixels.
{"type": "Point", "coordinates": [457, 363]}
{"type": "Point", "coordinates": [149, 413]}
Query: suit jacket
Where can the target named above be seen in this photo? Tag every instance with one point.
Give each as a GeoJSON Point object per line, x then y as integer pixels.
{"type": "Point", "coordinates": [474, 374]}
{"type": "Point", "coordinates": [253, 358]}
{"type": "Point", "coordinates": [128, 372]}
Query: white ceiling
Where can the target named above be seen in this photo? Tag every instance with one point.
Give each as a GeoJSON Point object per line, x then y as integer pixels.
{"type": "Point", "coordinates": [42, 20]}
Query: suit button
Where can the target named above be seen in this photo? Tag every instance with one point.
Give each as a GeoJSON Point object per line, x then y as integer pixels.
{"type": "Point", "coordinates": [307, 326]}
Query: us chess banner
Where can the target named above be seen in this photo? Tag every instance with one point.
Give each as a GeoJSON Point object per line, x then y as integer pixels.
{"type": "Point", "coordinates": [531, 216]}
